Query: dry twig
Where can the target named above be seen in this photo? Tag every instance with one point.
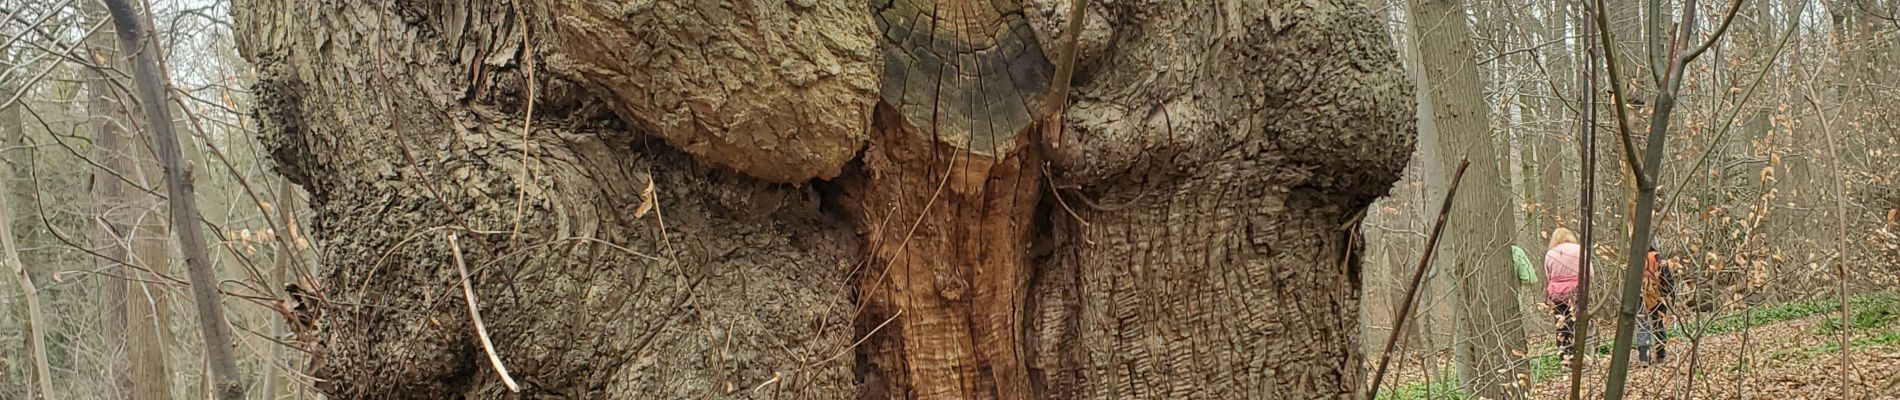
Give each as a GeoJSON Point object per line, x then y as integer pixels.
{"type": "Point", "coordinates": [475, 316]}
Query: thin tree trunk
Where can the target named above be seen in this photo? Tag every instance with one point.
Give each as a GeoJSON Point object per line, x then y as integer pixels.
{"type": "Point", "coordinates": [1840, 243]}
{"type": "Point", "coordinates": [1648, 171]}
{"type": "Point", "coordinates": [109, 187]}
{"type": "Point", "coordinates": [1586, 196]}
{"type": "Point", "coordinates": [36, 336]}
{"type": "Point", "coordinates": [136, 228]}
{"type": "Point", "coordinates": [152, 92]}
{"type": "Point", "coordinates": [1491, 317]}
{"type": "Point", "coordinates": [10, 125]}
{"type": "Point", "coordinates": [1633, 56]}
{"type": "Point", "coordinates": [274, 364]}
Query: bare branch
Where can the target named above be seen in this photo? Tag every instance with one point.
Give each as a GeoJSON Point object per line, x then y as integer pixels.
{"type": "Point", "coordinates": [35, 25]}
{"type": "Point", "coordinates": [1734, 7]}
{"type": "Point", "coordinates": [184, 207]}
{"type": "Point", "coordinates": [17, 95]}
{"type": "Point", "coordinates": [1418, 277]}
{"type": "Point", "coordinates": [1727, 126]}
{"type": "Point", "coordinates": [1065, 71]}
{"type": "Point", "coordinates": [1619, 103]}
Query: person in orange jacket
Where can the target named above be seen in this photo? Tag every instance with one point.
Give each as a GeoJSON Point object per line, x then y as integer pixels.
{"type": "Point", "coordinates": [1659, 289]}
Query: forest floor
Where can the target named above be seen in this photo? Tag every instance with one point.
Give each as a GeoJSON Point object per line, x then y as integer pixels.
{"type": "Point", "coordinates": [1781, 352]}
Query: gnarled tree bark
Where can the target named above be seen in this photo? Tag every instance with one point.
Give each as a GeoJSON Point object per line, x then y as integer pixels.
{"type": "Point", "coordinates": [1219, 156]}
{"type": "Point", "coordinates": [1230, 151]}
{"type": "Point", "coordinates": [403, 121]}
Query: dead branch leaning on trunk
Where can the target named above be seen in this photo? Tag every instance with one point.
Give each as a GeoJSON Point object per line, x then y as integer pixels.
{"type": "Point", "coordinates": [184, 206]}
{"type": "Point", "coordinates": [1418, 275]}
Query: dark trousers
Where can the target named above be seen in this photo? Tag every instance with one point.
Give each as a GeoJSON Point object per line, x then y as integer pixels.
{"type": "Point", "coordinates": [1566, 328]}
{"type": "Point", "coordinates": [1660, 329]}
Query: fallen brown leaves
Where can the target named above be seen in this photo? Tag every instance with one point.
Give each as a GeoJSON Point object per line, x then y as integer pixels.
{"type": "Point", "coordinates": [1780, 361]}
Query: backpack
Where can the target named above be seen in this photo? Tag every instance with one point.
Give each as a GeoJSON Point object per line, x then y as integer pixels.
{"type": "Point", "coordinates": [1658, 282]}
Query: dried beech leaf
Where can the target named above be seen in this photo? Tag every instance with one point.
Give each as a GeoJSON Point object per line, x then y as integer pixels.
{"type": "Point", "coordinates": [646, 201]}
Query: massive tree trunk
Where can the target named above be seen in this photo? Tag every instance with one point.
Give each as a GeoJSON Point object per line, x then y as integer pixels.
{"type": "Point", "coordinates": [725, 198]}
{"type": "Point", "coordinates": [946, 198]}
{"type": "Point", "coordinates": [1229, 152]}
{"type": "Point", "coordinates": [1491, 336]}
{"type": "Point", "coordinates": [405, 122]}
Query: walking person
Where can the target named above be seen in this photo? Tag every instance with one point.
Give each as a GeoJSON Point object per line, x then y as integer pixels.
{"type": "Point", "coordinates": [1659, 289]}
{"type": "Point", "coordinates": [1561, 266]}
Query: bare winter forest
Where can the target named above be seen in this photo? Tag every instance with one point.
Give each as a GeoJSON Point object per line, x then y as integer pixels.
{"type": "Point", "coordinates": [950, 199]}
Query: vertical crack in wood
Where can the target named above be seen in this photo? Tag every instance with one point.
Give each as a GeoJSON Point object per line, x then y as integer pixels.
{"type": "Point", "coordinates": [949, 166]}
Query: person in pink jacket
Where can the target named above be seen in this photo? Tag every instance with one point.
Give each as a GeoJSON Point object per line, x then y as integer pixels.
{"type": "Point", "coordinates": [1560, 264]}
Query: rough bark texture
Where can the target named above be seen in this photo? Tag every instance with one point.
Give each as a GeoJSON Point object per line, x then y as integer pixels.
{"type": "Point", "coordinates": [1491, 335]}
{"type": "Point", "coordinates": [1228, 150]}
{"type": "Point", "coordinates": [1217, 260]}
{"type": "Point", "coordinates": [399, 137]}
{"type": "Point", "coordinates": [779, 90]}
{"type": "Point", "coordinates": [949, 234]}
{"type": "Point", "coordinates": [1434, 179]}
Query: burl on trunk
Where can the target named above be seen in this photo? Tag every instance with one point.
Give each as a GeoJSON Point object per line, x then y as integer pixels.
{"type": "Point", "coordinates": [827, 171]}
